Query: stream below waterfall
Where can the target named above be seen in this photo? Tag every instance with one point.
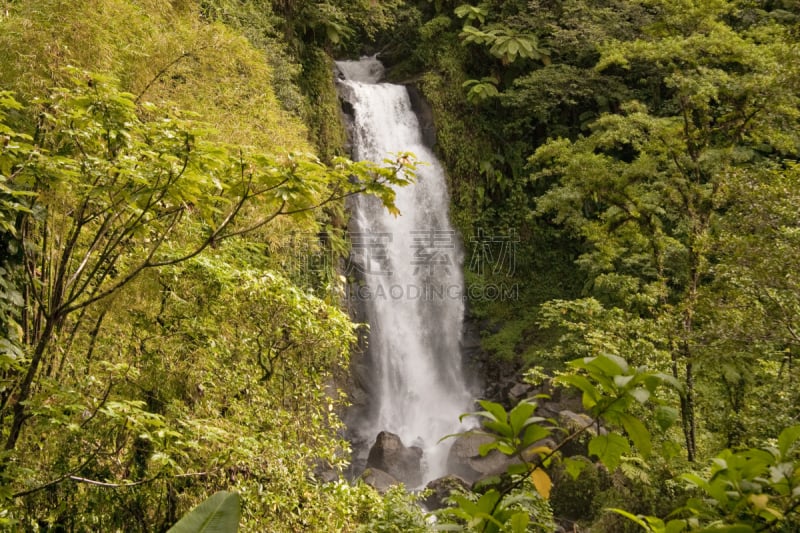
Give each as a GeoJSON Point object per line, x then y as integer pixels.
{"type": "Point", "coordinates": [410, 279]}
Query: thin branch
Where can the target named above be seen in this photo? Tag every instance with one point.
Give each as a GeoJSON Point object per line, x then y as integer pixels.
{"type": "Point", "coordinates": [332, 198]}
{"type": "Point", "coordinates": [57, 480]}
{"type": "Point", "coordinates": [253, 227]}
{"type": "Point", "coordinates": [162, 72]}
{"type": "Point", "coordinates": [134, 483]}
{"type": "Point", "coordinates": [102, 402]}
{"type": "Point", "coordinates": [130, 276]}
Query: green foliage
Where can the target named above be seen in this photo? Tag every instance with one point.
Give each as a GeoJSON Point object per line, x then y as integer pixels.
{"type": "Point", "coordinates": [398, 511]}
{"type": "Point", "coordinates": [505, 44]}
{"type": "Point", "coordinates": [576, 487]}
{"type": "Point", "coordinates": [257, 21]}
{"type": "Point", "coordinates": [489, 514]}
{"type": "Point", "coordinates": [16, 147]}
{"type": "Point", "coordinates": [647, 191]}
{"type": "Point", "coordinates": [480, 90]}
{"type": "Point", "coordinates": [609, 387]}
{"type": "Point", "coordinates": [167, 53]}
{"type": "Point", "coordinates": [512, 508]}
{"type": "Point", "coordinates": [331, 24]}
{"type": "Point", "coordinates": [121, 200]}
{"type": "Point", "coordinates": [513, 431]}
{"type": "Point", "coordinates": [153, 349]}
{"type": "Point", "coordinates": [472, 13]}
{"type": "Point", "coordinates": [322, 110]}
{"type": "Point", "coordinates": [744, 490]}
{"type": "Point", "coordinates": [218, 514]}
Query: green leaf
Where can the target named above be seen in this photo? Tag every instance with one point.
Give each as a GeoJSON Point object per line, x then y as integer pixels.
{"type": "Point", "coordinates": [733, 528]}
{"type": "Point", "coordinates": [488, 501]}
{"type": "Point", "coordinates": [484, 449]}
{"type": "Point", "coordinates": [218, 514]}
{"type": "Point", "coordinates": [609, 449]}
{"type": "Point", "coordinates": [641, 395]}
{"type": "Point", "coordinates": [670, 380]}
{"type": "Point", "coordinates": [787, 440]}
{"type": "Point", "coordinates": [622, 381]}
{"type": "Point", "coordinates": [637, 432]}
{"type": "Point", "coordinates": [632, 517]}
{"type": "Point", "coordinates": [609, 364]}
{"type": "Point", "coordinates": [590, 393]}
{"type": "Point", "coordinates": [495, 409]}
{"type": "Point", "coordinates": [676, 526]}
{"type": "Point", "coordinates": [534, 433]}
{"type": "Point", "coordinates": [574, 467]}
{"type": "Point", "coordinates": [665, 416]}
{"type": "Point", "coordinates": [696, 480]}
{"type": "Point", "coordinates": [517, 469]}
{"type": "Point", "coordinates": [519, 415]}
{"type": "Point", "coordinates": [501, 428]}
{"type": "Point", "coordinates": [519, 522]}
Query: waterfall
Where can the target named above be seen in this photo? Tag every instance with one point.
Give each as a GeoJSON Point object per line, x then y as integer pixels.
{"type": "Point", "coordinates": [412, 282]}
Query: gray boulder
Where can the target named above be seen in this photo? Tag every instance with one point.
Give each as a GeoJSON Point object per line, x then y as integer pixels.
{"type": "Point", "coordinates": [378, 479]}
{"type": "Point", "coordinates": [390, 455]}
{"type": "Point", "coordinates": [571, 422]}
{"type": "Point", "coordinates": [441, 488]}
{"type": "Point", "coordinates": [465, 460]}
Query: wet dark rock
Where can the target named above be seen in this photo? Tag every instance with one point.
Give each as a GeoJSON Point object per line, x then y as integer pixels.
{"type": "Point", "coordinates": [519, 391]}
{"type": "Point", "coordinates": [441, 488]}
{"type": "Point", "coordinates": [465, 460]}
{"type": "Point", "coordinates": [572, 422]}
{"type": "Point", "coordinates": [424, 114]}
{"type": "Point", "coordinates": [396, 459]}
{"type": "Point", "coordinates": [378, 479]}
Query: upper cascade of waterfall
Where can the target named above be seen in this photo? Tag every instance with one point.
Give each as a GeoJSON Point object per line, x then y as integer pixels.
{"type": "Point", "coordinates": [365, 70]}
{"type": "Point", "coordinates": [411, 283]}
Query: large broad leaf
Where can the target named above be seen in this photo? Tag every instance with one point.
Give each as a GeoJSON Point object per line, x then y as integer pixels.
{"type": "Point", "coordinates": [609, 449]}
{"type": "Point", "coordinates": [574, 467]}
{"type": "Point", "coordinates": [665, 416]}
{"type": "Point", "coordinates": [519, 522]}
{"type": "Point", "coordinates": [609, 364]}
{"type": "Point", "coordinates": [494, 411]}
{"type": "Point", "coordinates": [637, 432]}
{"type": "Point", "coordinates": [218, 514]}
{"type": "Point", "coordinates": [788, 440]}
{"type": "Point", "coordinates": [639, 519]}
{"type": "Point", "coordinates": [519, 416]}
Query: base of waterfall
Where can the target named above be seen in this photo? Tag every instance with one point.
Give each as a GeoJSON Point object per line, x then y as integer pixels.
{"type": "Point", "coordinates": [391, 462]}
{"type": "Point", "coordinates": [391, 456]}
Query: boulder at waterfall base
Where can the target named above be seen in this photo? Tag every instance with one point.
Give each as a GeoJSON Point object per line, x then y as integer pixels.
{"type": "Point", "coordinates": [465, 460]}
{"type": "Point", "coordinates": [402, 462]}
{"type": "Point", "coordinates": [441, 488]}
{"type": "Point", "coordinates": [378, 480]}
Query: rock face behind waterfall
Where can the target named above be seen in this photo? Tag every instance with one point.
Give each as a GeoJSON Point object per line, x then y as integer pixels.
{"type": "Point", "coordinates": [390, 455]}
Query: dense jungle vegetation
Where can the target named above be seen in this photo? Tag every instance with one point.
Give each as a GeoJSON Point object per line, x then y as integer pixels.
{"type": "Point", "coordinates": [160, 340]}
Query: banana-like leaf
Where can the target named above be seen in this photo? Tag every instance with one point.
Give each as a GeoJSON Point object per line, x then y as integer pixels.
{"type": "Point", "coordinates": [218, 514]}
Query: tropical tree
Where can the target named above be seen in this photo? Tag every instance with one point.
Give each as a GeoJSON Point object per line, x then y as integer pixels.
{"type": "Point", "coordinates": [104, 199]}
{"type": "Point", "coordinates": [649, 189]}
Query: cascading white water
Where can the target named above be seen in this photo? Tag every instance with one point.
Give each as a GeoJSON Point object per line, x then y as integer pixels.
{"type": "Point", "coordinates": [413, 283]}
